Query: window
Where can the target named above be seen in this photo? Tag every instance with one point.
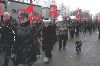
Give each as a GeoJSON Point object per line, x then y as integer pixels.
{"type": "Point", "coordinates": [28, 1]}
{"type": "Point", "coordinates": [20, 0]}
{"type": "Point", "coordinates": [16, 0]}
{"type": "Point", "coordinates": [25, 1]}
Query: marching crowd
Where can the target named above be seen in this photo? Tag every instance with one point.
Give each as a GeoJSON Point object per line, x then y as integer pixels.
{"type": "Point", "coordinates": [20, 41]}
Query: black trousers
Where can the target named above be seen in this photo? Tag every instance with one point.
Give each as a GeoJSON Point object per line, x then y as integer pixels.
{"type": "Point", "coordinates": [47, 47]}
{"type": "Point", "coordinates": [78, 49]}
{"type": "Point", "coordinates": [72, 34]}
{"type": "Point", "coordinates": [77, 33]}
{"type": "Point", "coordinates": [99, 34]}
{"type": "Point", "coordinates": [7, 54]}
{"type": "Point", "coordinates": [62, 41]}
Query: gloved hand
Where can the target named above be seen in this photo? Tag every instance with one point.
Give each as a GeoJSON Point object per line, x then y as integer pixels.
{"type": "Point", "coordinates": [13, 55]}
{"type": "Point", "coordinates": [38, 56]}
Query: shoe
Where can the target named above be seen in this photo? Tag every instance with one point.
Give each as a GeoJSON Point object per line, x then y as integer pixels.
{"type": "Point", "coordinates": [63, 48]}
{"type": "Point", "coordinates": [59, 49]}
{"type": "Point", "coordinates": [47, 62]}
{"type": "Point", "coordinates": [50, 58]}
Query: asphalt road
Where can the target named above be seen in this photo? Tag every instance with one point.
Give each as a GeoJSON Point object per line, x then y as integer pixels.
{"type": "Point", "coordinates": [90, 55]}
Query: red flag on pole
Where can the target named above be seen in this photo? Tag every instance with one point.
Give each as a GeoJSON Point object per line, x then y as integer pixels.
{"type": "Point", "coordinates": [31, 18]}
{"type": "Point", "coordinates": [53, 10]}
{"type": "Point", "coordinates": [0, 8]}
{"type": "Point", "coordinates": [28, 10]}
{"type": "Point", "coordinates": [78, 15]}
{"type": "Point", "coordinates": [37, 17]}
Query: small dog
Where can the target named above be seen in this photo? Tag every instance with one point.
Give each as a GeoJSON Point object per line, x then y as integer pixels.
{"type": "Point", "coordinates": [78, 46]}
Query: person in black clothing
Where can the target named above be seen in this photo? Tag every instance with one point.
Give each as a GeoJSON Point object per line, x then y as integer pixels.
{"type": "Point", "coordinates": [1, 18]}
{"type": "Point", "coordinates": [0, 34]}
{"type": "Point", "coordinates": [26, 48]}
{"type": "Point", "coordinates": [99, 30]}
{"type": "Point", "coordinates": [90, 28]}
{"type": "Point", "coordinates": [72, 30]}
{"type": "Point", "coordinates": [54, 37]}
{"type": "Point", "coordinates": [84, 27]}
{"type": "Point", "coordinates": [77, 29]}
{"type": "Point", "coordinates": [7, 39]}
{"type": "Point", "coordinates": [48, 40]}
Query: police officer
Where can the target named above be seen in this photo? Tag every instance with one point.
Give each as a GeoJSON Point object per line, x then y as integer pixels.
{"type": "Point", "coordinates": [7, 38]}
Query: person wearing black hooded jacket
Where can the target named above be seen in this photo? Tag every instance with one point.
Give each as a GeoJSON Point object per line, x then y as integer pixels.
{"type": "Point", "coordinates": [7, 37]}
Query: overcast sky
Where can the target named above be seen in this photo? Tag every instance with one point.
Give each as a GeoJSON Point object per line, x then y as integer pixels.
{"type": "Point", "coordinates": [92, 5]}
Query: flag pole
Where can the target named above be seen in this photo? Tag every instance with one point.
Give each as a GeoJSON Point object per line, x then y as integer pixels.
{"type": "Point", "coordinates": [6, 4]}
{"type": "Point", "coordinates": [32, 13]}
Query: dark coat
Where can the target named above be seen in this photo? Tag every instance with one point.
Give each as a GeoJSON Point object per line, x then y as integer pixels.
{"type": "Point", "coordinates": [26, 47]}
{"type": "Point", "coordinates": [49, 38]}
{"type": "Point", "coordinates": [7, 33]}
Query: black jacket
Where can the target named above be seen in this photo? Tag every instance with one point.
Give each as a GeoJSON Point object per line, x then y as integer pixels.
{"type": "Point", "coordinates": [26, 45]}
{"type": "Point", "coordinates": [7, 34]}
{"type": "Point", "coordinates": [48, 32]}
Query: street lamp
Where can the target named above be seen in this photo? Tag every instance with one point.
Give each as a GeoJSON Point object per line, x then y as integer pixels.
{"type": "Point", "coordinates": [31, 1]}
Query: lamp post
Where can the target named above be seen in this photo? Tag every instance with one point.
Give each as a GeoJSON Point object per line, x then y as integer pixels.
{"type": "Point", "coordinates": [31, 1]}
{"type": "Point", "coordinates": [6, 4]}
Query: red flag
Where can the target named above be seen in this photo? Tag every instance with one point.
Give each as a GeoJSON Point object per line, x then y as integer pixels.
{"type": "Point", "coordinates": [37, 16]}
{"type": "Point", "coordinates": [31, 19]}
{"type": "Point", "coordinates": [0, 8]}
{"type": "Point", "coordinates": [53, 10]}
{"type": "Point", "coordinates": [28, 10]}
{"type": "Point", "coordinates": [78, 15]}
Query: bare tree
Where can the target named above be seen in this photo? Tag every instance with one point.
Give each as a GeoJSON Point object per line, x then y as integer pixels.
{"type": "Point", "coordinates": [63, 10]}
